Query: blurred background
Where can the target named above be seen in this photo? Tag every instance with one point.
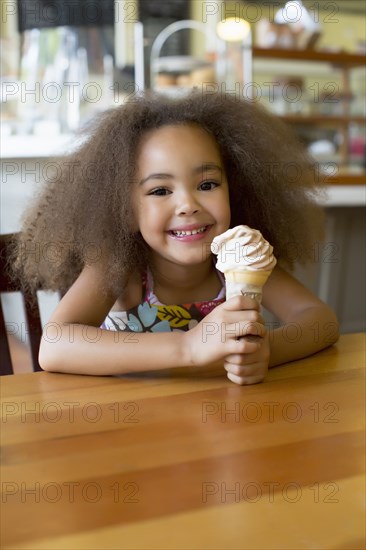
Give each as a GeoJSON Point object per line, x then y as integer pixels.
{"type": "Point", "coordinates": [64, 61]}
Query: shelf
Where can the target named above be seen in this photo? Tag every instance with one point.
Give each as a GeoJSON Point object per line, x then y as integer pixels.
{"type": "Point", "coordinates": [342, 58]}
{"type": "Point", "coordinates": [323, 119]}
{"type": "Point", "coordinates": [322, 63]}
{"type": "Point", "coordinates": [346, 179]}
{"type": "Point", "coordinates": [30, 146]}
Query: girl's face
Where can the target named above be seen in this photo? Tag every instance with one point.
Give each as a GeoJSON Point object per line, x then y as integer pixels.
{"type": "Point", "coordinates": [181, 198]}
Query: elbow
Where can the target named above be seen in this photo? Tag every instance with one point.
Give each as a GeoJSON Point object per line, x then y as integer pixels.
{"type": "Point", "coordinates": [47, 357]}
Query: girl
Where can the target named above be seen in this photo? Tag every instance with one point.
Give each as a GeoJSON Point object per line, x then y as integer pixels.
{"type": "Point", "coordinates": [125, 231]}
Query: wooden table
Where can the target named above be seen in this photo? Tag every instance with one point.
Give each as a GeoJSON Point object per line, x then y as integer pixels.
{"type": "Point", "coordinates": [187, 461]}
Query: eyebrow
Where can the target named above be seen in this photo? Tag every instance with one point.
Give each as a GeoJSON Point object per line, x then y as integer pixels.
{"type": "Point", "coordinates": [205, 167]}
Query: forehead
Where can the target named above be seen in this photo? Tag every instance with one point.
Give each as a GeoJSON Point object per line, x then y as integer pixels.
{"type": "Point", "coordinates": [188, 141]}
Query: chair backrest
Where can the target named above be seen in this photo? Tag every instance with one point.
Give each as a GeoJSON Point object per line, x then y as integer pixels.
{"type": "Point", "coordinates": [31, 313]}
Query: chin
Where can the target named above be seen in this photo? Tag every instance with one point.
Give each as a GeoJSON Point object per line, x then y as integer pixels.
{"type": "Point", "coordinates": [193, 260]}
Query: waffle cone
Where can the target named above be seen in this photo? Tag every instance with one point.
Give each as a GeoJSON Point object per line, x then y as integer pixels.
{"type": "Point", "coordinates": [248, 277]}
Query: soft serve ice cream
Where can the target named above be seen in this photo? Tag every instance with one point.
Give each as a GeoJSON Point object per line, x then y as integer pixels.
{"type": "Point", "coordinates": [245, 258]}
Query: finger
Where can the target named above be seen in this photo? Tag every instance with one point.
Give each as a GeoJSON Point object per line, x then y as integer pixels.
{"type": "Point", "coordinates": [240, 359]}
{"type": "Point", "coordinates": [248, 315]}
{"type": "Point", "coordinates": [242, 328]}
{"type": "Point", "coordinates": [236, 315]}
{"type": "Point", "coordinates": [252, 330]}
{"type": "Point", "coordinates": [242, 303]}
{"type": "Point", "coordinates": [244, 381]}
{"type": "Point", "coordinates": [261, 319]}
{"type": "Point", "coordinates": [244, 371]}
{"type": "Point", "coordinates": [242, 345]}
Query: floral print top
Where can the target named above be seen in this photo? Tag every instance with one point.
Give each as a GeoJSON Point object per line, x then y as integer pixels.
{"type": "Point", "coordinates": [153, 316]}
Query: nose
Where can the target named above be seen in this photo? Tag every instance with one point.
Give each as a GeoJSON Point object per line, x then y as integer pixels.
{"type": "Point", "coordinates": [187, 204]}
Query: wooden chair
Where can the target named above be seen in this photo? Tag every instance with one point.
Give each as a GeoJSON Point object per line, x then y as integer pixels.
{"type": "Point", "coordinates": [31, 313]}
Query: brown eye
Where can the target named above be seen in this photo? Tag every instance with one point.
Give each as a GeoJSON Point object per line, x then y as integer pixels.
{"type": "Point", "coordinates": [159, 192]}
{"type": "Point", "coordinates": [208, 185]}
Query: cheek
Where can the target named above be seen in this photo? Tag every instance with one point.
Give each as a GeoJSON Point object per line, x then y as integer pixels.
{"type": "Point", "coordinates": [148, 216]}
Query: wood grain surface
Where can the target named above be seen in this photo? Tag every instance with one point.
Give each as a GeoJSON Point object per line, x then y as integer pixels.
{"type": "Point", "coordinates": [186, 459]}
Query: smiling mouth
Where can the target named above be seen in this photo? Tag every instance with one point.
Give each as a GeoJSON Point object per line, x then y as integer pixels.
{"type": "Point", "coordinates": [189, 233]}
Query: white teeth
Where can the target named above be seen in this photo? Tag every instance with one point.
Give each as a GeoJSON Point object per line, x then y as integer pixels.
{"type": "Point", "coordinates": [186, 233]}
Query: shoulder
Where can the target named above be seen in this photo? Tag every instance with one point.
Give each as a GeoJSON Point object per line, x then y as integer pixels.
{"type": "Point", "coordinates": [131, 295]}
{"type": "Point", "coordinates": [87, 301]}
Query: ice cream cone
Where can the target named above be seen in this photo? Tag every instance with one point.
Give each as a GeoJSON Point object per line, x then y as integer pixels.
{"type": "Point", "coordinates": [248, 276]}
{"type": "Point", "coordinates": [246, 259]}
{"type": "Point", "coordinates": [247, 283]}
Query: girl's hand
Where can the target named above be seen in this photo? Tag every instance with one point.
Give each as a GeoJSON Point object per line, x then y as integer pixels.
{"type": "Point", "coordinates": [249, 368]}
{"type": "Point", "coordinates": [219, 335]}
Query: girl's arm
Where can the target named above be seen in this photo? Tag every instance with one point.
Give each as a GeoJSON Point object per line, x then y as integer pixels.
{"type": "Point", "coordinates": [307, 324]}
{"type": "Point", "coordinates": [73, 342]}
